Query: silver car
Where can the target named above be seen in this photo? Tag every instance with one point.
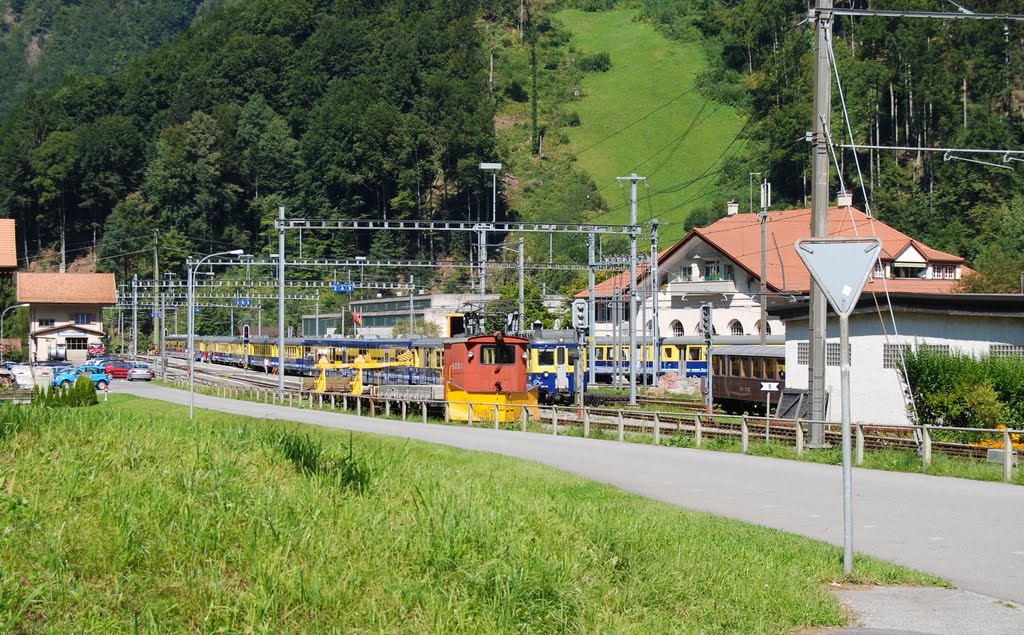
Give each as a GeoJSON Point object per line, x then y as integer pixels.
{"type": "Point", "coordinates": [140, 371]}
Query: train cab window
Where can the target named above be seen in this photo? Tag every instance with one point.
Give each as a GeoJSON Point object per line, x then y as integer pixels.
{"type": "Point", "coordinates": [574, 355]}
{"type": "Point", "coordinates": [560, 354]}
{"type": "Point", "coordinates": [667, 352]}
{"type": "Point", "coordinates": [497, 355]}
{"type": "Point", "coordinates": [545, 357]}
{"type": "Point", "coordinates": [693, 353]}
{"type": "Point", "coordinates": [599, 353]}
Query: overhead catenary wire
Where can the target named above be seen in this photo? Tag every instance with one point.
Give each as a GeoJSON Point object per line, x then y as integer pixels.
{"type": "Point", "coordinates": [874, 232]}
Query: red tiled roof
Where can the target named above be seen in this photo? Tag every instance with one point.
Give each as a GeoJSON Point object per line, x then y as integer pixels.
{"type": "Point", "coordinates": [8, 244]}
{"type": "Point", "coordinates": [738, 237]}
{"type": "Point", "coordinates": [66, 288]}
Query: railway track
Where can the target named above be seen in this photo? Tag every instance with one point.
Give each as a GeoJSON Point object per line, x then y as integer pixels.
{"type": "Point", "coordinates": [609, 413]}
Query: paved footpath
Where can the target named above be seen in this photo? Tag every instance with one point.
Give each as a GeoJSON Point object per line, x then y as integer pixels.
{"type": "Point", "coordinates": [968, 532]}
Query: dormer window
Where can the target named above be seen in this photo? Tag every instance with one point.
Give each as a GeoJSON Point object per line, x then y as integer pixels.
{"type": "Point", "coordinates": [903, 270]}
{"type": "Point", "coordinates": [944, 272]}
{"type": "Point", "coordinates": [879, 270]}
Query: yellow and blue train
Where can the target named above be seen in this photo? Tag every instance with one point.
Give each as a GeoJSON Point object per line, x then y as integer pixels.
{"type": "Point", "coordinates": [553, 358]}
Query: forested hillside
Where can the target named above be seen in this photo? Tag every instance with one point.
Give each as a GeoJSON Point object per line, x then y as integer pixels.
{"type": "Point", "coordinates": [384, 109]}
{"type": "Point", "coordinates": [333, 109]}
{"type": "Point", "coordinates": [907, 82]}
{"type": "Point", "coordinates": [42, 41]}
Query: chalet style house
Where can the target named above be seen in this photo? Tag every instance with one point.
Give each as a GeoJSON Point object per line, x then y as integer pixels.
{"type": "Point", "coordinates": [721, 264]}
{"type": "Point", "coordinates": [66, 312]}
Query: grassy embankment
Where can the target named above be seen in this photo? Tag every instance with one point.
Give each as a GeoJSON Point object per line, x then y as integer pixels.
{"type": "Point", "coordinates": [126, 516]}
{"type": "Point", "coordinates": [672, 146]}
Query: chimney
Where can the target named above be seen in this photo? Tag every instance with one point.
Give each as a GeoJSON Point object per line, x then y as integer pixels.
{"type": "Point", "coordinates": [732, 208]}
{"type": "Point", "coordinates": [846, 199]}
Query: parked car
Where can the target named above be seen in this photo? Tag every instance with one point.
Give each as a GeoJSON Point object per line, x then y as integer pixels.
{"type": "Point", "coordinates": [97, 349]}
{"type": "Point", "coordinates": [140, 371]}
{"type": "Point", "coordinates": [118, 369]}
{"type": "Point", "coordinates": [65, 378]}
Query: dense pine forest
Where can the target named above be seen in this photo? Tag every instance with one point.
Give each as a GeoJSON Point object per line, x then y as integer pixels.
{"type": "Point", "coordinates": [350, 109]}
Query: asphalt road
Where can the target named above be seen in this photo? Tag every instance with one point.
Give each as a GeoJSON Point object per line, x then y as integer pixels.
{"type": "Point", "coordinates": [968, 532]}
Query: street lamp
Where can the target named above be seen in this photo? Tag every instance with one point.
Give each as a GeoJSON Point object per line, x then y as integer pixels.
{"type": "Point", "coordinates": [493, 168]}
{"type": "Point", "coordinates": [522, 299]}
{"type": "Point", "coordinates": [2, 315]}
{"type": "Point", "coordinates": [191, 324]}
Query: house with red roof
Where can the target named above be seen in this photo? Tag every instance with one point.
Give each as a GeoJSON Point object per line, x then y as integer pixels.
{"type": "Point", "coordinates": [66, 312]}
{"type": "Point", "coordinates": [721, 264]}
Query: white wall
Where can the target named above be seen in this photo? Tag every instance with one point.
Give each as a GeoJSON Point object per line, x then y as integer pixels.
{"type": "Point", "coordinates": [877, 393]}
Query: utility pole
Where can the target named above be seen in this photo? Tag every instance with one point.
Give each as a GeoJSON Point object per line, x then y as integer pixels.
{"type": "Point", "coordinates": [412, 308]}
{"type": "Point", "coordinates": [633, 180]}
{"type": "Point", "coordinates": [135, 316]}
{"type": "Point", "coordinates": [280, 304]}
{"type": "Point", "coordinates": [522, 288]}
{"type": "Point", "coordinates": [482, 261]}
{"type": "Point", "coordinates": [819, 211]}
{"type": "Point", "coordinates": [593, 309]}
{"type": "Point", "coordinates": [158, 319]}
{"type": "Point", "coordinates": [766, 202]}
{"type": "Point", "coordinates": [655, 302]}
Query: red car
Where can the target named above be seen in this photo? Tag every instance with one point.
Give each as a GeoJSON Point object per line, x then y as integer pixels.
{"type": "Point", "coordinates": [118, 370]}
{"type": "Point", "coordinates": [96, 349]}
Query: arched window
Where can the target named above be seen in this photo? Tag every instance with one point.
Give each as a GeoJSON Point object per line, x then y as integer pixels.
{"type": "Point", "coordinates": [735, 328]}
{"type": "Point", "coordinates": [768, 331]}
{"type": "Point", "coordinates": [677, 328]}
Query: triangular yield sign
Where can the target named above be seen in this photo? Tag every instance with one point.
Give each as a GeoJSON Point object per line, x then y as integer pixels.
{"type": "Point", "coordinates": [840, 266]}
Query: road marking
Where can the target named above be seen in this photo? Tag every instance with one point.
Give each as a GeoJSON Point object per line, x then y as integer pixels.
{"type": "Point", "coordinates": [936, 538]}
{"type": "Point", "coordinates": [768, 506]}
{"type": "Point", "coordinates": [1017, 553]}
{"type": "Point", "coordinates": [870, 526]}
{"type": "Point", "coordinates": [814, 515]}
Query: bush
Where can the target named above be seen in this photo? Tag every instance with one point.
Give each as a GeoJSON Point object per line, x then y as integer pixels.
{"type": "Point", "coordinates": [516, 92]}
{"type": "Point", "coordinates": [82, 393]}
{"type": "Point", "coordinates": [596, 63]}
{"type": "Point", "coordinates": [961, 391]}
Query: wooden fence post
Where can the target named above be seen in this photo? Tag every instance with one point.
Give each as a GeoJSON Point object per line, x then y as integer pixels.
{"type": "Point", "coordinates": [657, 428]}
{"type": "Point", "coordinates": [926, 456]}
{"type": "Point", "coordinates": [497, 417]}
{"type": "Point", "coordinates": [744, 434]}
{"type": "Point", "coordinates": [359, 406]}
{"type": "Point", "coordinates": [860, 444]}
{"type": "Point", "coordinates": [622, 428]}
{"type": "Point", "coordinates": [423, 410]}
{"type": "Point", "coordinates": [586, 422]}
{"type": "Point", "coordinates": [1007, 456]}
{"type": "Point", "coordinates": [696, 430]}
{"type": "Point", "coordinates": [554, 420]}
{"type": "Point", "coordinates": [799, 438]}
{"type": "Point", "coordinates": [387, 407]}
{"type": "Point", "coordinates": [447, 413]}
{"type": "Point", "coordinates": [469, 414]}
{"type": "Point", "coordinates": [522, 417]}
{"type": "Point", "coordinates": [405, 411]}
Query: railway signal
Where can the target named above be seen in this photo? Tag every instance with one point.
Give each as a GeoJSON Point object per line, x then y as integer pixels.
{"type": "Point", "coordinates": [580, 315]}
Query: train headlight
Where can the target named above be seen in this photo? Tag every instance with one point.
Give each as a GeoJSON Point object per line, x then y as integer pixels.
{"type": "Point", "coordinates": [545, 374]}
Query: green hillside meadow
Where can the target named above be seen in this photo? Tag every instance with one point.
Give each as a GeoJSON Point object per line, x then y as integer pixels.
{"type": "Point", "coordinates": [128, 517]}
{"type": "Point", "coordinates": [673, 145]}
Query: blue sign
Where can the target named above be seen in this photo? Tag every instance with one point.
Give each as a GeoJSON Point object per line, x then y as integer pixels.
{"type": "Point", "coordinates": [696, 369]}
{"type": "Point", "coordinates": [243, 302]}
{"type": "Point", "coordinates": [339, 287]}
{"type": "Point", "coordinates": [154, 314]}
{"type": "Point", "coordinates": [195, 309]}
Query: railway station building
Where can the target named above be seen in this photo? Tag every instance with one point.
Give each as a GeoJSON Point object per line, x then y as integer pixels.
{"type": "Point", "coordinates": [66, 312]}
{"type": "Point", "coordinates": [721, 264]}
{"type": "Point", "coordinates": [882, 326]}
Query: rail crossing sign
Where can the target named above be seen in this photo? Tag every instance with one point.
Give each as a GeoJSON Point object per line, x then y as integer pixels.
{"type": "Point", "coordinates": [339, 287]}
{"type": "Point", "coordinates": [246, 302]}
{"type": "Point", "coordinates": [769, 386]}
{"type": "Point", "coordinates": [840, 266]}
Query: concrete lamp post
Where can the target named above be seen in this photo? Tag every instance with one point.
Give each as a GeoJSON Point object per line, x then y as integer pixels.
{"type": "Point", "coordinates": [2, 316]}
{"type": "Point", "coordinates": [191, 324]}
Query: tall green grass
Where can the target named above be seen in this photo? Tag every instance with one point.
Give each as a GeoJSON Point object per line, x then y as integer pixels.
{"type": "Point", "coordinates": [128, 517]}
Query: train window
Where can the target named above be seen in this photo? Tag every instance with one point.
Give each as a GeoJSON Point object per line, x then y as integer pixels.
{"type": "Point", "coordinates": [599, 353]}
{"type": "Point", "coordinates": [667, 352]}
{"type": "Point", "coordinates": [561, 355]}
{"type": "Point", "coordinates": [693, 353]}
{"type": "Point", "coordinates": [495, 355]}
{"type": "Point", "coordinates": [736, 368]}
{"type": "Point", "coordinates": [771, 369]}
{"type": "Point", "coordinates": [545, 357]}
{"type": "Point", "coordinates": [718, 365]}
{"type": "Point", "coordinates": [574, 355]}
